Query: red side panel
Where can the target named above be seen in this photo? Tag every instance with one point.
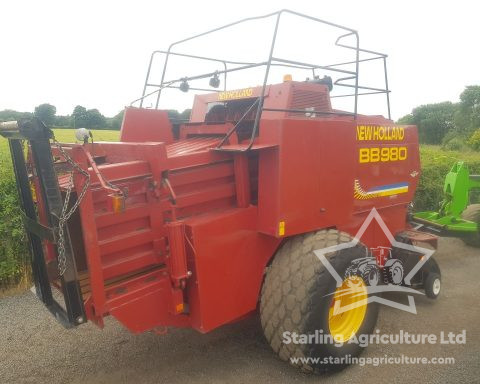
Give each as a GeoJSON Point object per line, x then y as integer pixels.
{"type": "Point", "coordinates": [329, 173]}
{"type": "Point", "coordinates": [302, 183]}
{"type": "Point", "coordinates": [228, 265]}
{"type": "Point", "coordinates": [141, 125]}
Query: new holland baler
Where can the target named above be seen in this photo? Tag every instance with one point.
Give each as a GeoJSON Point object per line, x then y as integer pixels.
{"type": "Point", "coordinates": [200, 223]}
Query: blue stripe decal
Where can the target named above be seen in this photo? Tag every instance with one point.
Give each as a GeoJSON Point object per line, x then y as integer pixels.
{"type": "Point", "coordinates": [390, 186]}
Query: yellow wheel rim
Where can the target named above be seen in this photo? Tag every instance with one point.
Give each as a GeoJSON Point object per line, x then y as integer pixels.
{"type": "Point", "coordinates": [348, 309]}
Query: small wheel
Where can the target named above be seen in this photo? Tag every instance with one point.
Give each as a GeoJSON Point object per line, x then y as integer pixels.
{"type": "Point", "coordinates": [472, 213]}
{"type": "Point", "coordinates": [395, 272]}
{"type": "Point", "coordinates": [371, 275]}
{"type": "Point", "coordinates": [433, 285]}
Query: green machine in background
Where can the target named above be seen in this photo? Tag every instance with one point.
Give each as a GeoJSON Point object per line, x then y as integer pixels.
{"type": "Point", "coordinates": [456, 216]}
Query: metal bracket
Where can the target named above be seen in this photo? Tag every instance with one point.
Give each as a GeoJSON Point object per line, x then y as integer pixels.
{"type": "Point", "coordinates": [38, 229]}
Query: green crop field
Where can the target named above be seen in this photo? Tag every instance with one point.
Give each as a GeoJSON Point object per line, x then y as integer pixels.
{"type": "Point", "coordinates": [62, 135]}
{"type": "Point", "coordinates": [13, 249]}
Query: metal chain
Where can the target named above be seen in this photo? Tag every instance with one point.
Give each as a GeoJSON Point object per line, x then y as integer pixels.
{"type": "Point", "coordinates": [66, 213]}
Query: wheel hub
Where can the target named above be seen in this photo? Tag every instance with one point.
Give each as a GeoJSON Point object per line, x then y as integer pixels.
{"type": "Point", "coordinates": [436, 286]}
{"type": "Point", "coordinates": [353, 299]}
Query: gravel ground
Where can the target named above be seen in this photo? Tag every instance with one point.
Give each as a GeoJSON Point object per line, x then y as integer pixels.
{"type": "Point", "coordinates": [36, 349]}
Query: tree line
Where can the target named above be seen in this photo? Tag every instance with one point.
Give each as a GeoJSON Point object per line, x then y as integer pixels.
{"type": "Point", "coordinates": [455, 126]}
{"type": "Point", "coordinates": [80, 117]}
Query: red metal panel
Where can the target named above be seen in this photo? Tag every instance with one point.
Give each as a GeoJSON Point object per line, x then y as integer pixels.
{"type": "Point", "coordinates": [191, 145]}
{"type": "Point", "coordinates": [177, 260]}
{"type": "Point", "coordinates": [90, 241]}
{"type": "Point", "coordinates": [110, 218]}
{"type": "Point", "coordinates": [127, 240]}
{"type": "Point", "coordinates": [310, 183]}
{"type": "Point", "coordinates": [230, 258]}
{"type": "Point", "coordinates": [200, 173]}
{"type": "Point", "coordinates": [302, 183]}
{"type": "Point", "coordinates": [141, 125]}
{"type": "Point", "coordinates": [131, 262]}
{"type": "Point", "coordinates": [208, 194]}
{"type": "Point", "coordinates": [242, 180]}
{"type": "Point", "coordinates": [118, 229]}
{"type": "Point", "coordinates": [122, 171]}
{"type": "Point", "coordinates": [144, 303]}
{"type": "Point", "coordinates": [197, 158]}
{"type": "Point", "coordinates": [187, 131]}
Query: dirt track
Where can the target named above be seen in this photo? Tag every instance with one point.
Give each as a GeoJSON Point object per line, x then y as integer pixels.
{"type": "Point", "coordinates": [35, 349]}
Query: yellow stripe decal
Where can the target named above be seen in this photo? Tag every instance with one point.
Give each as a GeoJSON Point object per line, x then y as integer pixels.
{"type": "Point", "coordinates": [360, 194]}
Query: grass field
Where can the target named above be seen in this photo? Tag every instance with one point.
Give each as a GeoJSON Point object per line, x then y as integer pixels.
{"type": "Point", "coordinates": [62, 135]}
{"type": "Point", "coordinates": [13, 249]}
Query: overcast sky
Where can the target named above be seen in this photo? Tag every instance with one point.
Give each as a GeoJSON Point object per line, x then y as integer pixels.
{"type": "Point", "coordinates": [96, 53]}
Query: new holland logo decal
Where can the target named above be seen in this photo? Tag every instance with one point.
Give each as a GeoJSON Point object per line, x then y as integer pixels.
{"type": "Point", "coordinates": [383, 190]}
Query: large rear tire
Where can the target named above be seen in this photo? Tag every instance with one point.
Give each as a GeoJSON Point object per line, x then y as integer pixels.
{"type": "Point", "coordinates": [298, 296]}
{"type": "Point", "coordinates": [472, 213]}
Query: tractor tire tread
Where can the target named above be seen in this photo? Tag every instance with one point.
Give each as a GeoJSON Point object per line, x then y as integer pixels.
{"type": "Point", "coordinates": [288, 309]}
